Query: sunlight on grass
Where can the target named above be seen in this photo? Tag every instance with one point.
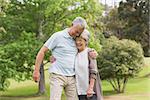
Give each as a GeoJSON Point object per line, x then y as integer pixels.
{"type": "Point", "coordinates": [147, 61]}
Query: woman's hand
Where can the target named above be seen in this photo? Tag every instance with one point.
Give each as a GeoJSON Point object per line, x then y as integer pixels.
{"type": "Point", "coordinates": [52, 59]}
{"type": "Point", "coordinates": [90, 92]}
{"type": "Point", "coordinates": [93, 54]}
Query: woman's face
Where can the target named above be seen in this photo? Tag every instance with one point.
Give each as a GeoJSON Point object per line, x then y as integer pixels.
{"type": "Point", "coordinates": [80, 43]}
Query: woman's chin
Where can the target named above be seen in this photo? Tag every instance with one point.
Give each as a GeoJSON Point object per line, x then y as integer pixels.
{"type": "Point", "coordinates": [79, 49]}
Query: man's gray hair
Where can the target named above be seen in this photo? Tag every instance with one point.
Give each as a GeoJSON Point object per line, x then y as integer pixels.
{"type": "Point", "coordinates": [80, 21]}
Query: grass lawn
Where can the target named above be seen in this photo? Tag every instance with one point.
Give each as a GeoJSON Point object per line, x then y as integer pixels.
{"type": "Point", "coordinates": [137, 88]}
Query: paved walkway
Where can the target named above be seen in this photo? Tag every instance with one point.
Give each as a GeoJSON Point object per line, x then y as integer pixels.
{"type": "Point", "coordinates": [129, 97]}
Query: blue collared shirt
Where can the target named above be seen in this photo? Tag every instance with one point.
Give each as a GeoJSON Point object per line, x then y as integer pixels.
{"type": "Point", "coordinates": [64, 50]}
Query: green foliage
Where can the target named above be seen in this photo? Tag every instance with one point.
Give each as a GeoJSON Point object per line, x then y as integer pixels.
{"type": "Point", "coordinates": [113, 25]}
{"type": "Point", "coordinates": [3, 6]}
{"type": "Point", "coordinates": [130, 21]}
{"type": "Point", "coordinates": [136, 15]}
{"type": "Point", "coordinates": [94, 43]}
{"type": "Point", "coordinates": [17, 59]}
{"type": "Point", "coordinates": [120, 60]}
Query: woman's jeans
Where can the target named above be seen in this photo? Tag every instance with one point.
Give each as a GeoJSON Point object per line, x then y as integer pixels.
{"type": "Point", "coordinates": [84, 97]}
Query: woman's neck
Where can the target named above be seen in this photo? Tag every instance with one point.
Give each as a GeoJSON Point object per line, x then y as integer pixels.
{"type": "Point", "coordinates": [80, 50]}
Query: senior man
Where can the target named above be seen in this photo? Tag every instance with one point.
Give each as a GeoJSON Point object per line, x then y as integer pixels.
{"type": "Point", "coordinates": [62, 71]}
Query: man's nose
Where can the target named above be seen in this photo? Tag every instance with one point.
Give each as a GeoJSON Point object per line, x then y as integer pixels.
{"type": "Point", "coordinates": [77, 34]}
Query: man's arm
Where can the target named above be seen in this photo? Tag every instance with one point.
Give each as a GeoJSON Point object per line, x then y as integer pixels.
{"type": "Point", "coordinates": [39, 59]}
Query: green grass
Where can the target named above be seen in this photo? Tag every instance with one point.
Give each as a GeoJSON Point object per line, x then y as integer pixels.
{"type": "Point", "coordinates": [27, 90]}
{"type": "Point", "coordinates": [134, 86]}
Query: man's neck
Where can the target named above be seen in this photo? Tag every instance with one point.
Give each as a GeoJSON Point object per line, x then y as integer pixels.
{"type": "Point", "coordinates": [69, 32]}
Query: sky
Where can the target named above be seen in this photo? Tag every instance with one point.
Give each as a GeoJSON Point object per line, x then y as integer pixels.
{"type": "Point", "coordinates": [110, 2]}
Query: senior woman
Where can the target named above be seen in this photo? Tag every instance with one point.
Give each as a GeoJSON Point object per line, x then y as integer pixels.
{"type": "Point", "coordinates": [87, 77]}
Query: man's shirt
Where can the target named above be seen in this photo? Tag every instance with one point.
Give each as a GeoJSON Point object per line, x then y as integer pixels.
{"type": "Point", "coordinates": [64, 50]}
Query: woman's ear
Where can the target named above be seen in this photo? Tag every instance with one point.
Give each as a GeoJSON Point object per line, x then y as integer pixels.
{"type": "Point", "coordinates": [86, 43]}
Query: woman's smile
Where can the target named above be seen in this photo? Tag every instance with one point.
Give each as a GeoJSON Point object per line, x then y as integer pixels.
{"type": "Point", "coordinates": [80, 43]}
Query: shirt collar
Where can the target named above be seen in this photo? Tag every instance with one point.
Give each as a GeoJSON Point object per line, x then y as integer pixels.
{"type": "Point", "coordinates": [67, 33]}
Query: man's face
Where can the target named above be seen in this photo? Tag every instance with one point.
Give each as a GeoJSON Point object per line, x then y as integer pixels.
{"type": "Point", "coordinates": [76, 30]}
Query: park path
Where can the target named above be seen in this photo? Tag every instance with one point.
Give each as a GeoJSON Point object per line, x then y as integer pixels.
{"type": "Point", "coordinates": [145, 96]}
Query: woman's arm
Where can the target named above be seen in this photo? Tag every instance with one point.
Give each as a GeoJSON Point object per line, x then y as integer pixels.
{"type": "Point", "coordinates": [90, 90]}
{"type": "Point", "coordinates": [93, 73]}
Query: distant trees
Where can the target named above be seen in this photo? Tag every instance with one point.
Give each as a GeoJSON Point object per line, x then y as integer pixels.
{"type": "Point", "coordinates": [130, 21]}
{"type": "Point", "coordinates": [136, 14]}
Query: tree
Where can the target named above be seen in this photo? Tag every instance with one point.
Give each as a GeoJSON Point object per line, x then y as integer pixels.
{"type": "Point", "coordinates": [136, 14]}
{"type": "Point", "coordinates": [120, 60]}
{"type": "Point", "coordinates": [113, 25]}
{"type": "Point", "coordinates": [130, 21]}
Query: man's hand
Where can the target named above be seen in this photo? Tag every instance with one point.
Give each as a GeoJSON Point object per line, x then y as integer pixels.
{"type": "Point", "coordinates": [93, 54]}
{"type": "Point", "coordinates": [38, 62]}
{"type": "Point", "coordinates": [36, 76]}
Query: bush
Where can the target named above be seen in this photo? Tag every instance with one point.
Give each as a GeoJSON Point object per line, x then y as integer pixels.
{"type": "Point", "coordinates": [120, 60]}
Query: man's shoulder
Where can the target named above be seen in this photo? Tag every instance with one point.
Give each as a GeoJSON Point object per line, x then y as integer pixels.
{"type": "Point", "coordinates": [59, 33]}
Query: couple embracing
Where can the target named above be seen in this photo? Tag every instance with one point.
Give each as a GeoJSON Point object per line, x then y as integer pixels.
{"type": "Point", "coordinates": [74, 66]}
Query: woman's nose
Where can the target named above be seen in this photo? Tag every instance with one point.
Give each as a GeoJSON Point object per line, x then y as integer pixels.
{"type": "Point", "coordinates": [77, 42]}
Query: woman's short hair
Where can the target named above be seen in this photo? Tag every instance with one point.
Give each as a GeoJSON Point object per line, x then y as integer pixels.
{"type": "Point", "coordinates": [85, 35]}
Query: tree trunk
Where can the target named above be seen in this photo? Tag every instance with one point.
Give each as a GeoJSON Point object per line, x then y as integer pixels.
{"type": "Point", "coordinates": [42, 80]}
{"type": "Point", "coordinates": [40, 29]}
{"type": "Point", "coordinates": [124, 84]}
{"type": "Point", "coordinates": [119, 85]}
{"type": "Point", "coordinates": [111, 82]}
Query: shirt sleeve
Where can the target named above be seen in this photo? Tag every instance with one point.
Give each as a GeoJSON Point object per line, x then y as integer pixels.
{"type": "Point", "coordinates": [51, 43]}
{"type": "Point", "coordinates": [92, 67]}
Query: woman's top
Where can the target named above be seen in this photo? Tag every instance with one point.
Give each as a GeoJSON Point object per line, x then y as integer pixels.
{"type": "Point", "coordinates": [82, 72]}
{"type": "Point", "coordinates": [86, 68]}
